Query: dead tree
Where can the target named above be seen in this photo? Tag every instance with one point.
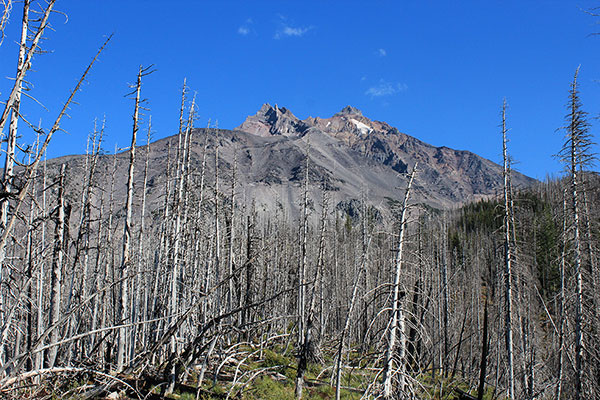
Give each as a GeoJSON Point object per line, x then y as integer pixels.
{"type": "Point", "coordinates": [484, 353]}
{"type": "Point", "coordinates": [357, 279]}
{"type": "Point", "coordinates": [39, 360]}
{"type": "Point", "coordinates": [233, 281]}
{"type": "Point", "coordinates": [445, 301]}
{"type": "Point", "coordinates": [396, 327]}
{"type": "Point", "coordinates": [25, 65]}
{"type": "Point", "coordinates": [30, 170]}
{"type": "Point", "coordinates": [249, 268]}
{"type": "Point", "coordinates": [142, 231]}
{"type": "Point", "coordinates": [11, 141]}
{"type": "Point", "coordinates": [184, 133]}
{"type": "Point", "coordinates": [508, 258]}
{"type": "Point", "coordinates": [127, 230]}
{"type": "Point", "coordinates": [577, 154]}
{"type": "Point", "coordinates": [11, 144]}
{"type": "Point", "coordinates": [301, 300]}
{"type": "Point", "coordinates": [562, 302]}
{"type": "Point", "coordinates": [57, 268]}
{"type": "Point", "coordinates": [4, 17]}
{"type": "Point", "coordinates": [28, 173]}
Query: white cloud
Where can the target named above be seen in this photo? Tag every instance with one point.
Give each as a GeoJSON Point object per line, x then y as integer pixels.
{"type": "Point", "coordinates": [246, 28]}
{"type": "Point", "coordinates": [288, 30]}
{"type": "Point", "coordinates": [381, 52]}
{"type": "Point", "coordinates": [384, 88]}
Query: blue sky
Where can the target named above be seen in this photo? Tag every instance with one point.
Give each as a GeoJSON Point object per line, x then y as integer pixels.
{"type": "Point", "coordinates": [437, 70]}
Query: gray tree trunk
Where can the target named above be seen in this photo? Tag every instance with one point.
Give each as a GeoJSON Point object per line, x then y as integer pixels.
{"type": "Point", "coordinates": [126, 259]}
{"type": "Point", "coordinates": [396, 329]}
{"type": "Point", "coordinates": [57, 269]}
{"type": "Point", "coordinates": [508, 254]}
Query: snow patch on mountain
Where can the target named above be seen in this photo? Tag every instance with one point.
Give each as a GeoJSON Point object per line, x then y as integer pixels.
{"type": "Point", "coordinates": [363, 128]}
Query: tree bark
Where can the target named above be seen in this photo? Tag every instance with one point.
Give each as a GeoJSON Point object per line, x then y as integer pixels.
{"type": "Point", "coordinates": [126, 259]}
{"type": "Point", "coordinates": [508, 259]}
{"type": "Point", "coordinates": [396, 329]}
{"type": "Point", "coordinates": [57, 269]}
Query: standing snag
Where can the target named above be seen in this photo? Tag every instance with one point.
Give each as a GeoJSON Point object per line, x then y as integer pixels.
{"type": "Point", "coordinates": [396, 329]}
{"type": "Point", "coordinates": [576, 155]}
{"type": "Point", "coordinates": [508, 258]}
{"type": "Point", "coordinates": [125, 311]}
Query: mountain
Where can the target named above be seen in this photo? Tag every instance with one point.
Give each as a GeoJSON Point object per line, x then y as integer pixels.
{"type": "Point", "coordinates": [349, 156]}
{"type": "Point", "coordinates": [352, 153]}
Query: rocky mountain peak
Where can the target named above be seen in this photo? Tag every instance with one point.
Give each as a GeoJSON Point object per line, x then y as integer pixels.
{"type": "Point", "coordinates": [273, 120]}
{"type": "Point", "coordinates": [348, 124]}
{"type": "Point", "coordinates": [267, 109]}
{"type": "Point", "coordinates": [349, 110]}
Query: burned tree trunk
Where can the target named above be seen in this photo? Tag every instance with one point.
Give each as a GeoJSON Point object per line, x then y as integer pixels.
{"type": "Point", "coordinates": [126, 259]}
{"type": "Point", "coordinates": [396, 328]}
{"type": "Point", "coordinates": [57, 269]}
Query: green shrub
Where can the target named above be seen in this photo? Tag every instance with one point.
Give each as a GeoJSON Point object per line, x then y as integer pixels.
{"type": "Point", "coordinates": [267, 389]}
{"type": "Point", "coordinates": [273, 359]}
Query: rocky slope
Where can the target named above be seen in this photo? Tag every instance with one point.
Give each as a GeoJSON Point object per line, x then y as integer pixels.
{"type": "Point", "coordinates": [378, 155]}
{"type": "Point", "coordinates": [349, 156]}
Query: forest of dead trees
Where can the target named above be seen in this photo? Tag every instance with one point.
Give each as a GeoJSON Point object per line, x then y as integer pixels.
{"type": "Point", "coordinates": [208, 296]}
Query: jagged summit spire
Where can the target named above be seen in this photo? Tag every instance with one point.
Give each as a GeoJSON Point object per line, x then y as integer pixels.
{"type": "Point", "coordinates": [273, 120]}
{"type": "Point", "coordinates": [264, 108]}
{"type": "Point", "coordinates": [349, 110]}
{"type": "Point", "coordinates": [267, 108]}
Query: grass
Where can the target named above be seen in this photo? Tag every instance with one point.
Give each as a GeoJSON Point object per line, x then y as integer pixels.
{"type": "Point", "coordinates": [267, 389]}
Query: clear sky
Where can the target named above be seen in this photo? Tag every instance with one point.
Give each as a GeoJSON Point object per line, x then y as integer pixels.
{"type": "Point", "coordinates": [437, 70]}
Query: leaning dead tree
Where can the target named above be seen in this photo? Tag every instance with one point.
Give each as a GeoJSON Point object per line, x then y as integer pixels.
{"type": "Point", "coordinates": [28, 174]}
{"type": "Point", "coordinates": [25, 59]}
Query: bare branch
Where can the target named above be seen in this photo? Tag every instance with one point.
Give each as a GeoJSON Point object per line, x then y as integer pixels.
{"type": "Point", "coordinates": [7, 4]}
{"type": "Point", "coordinates": [30, 172]}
